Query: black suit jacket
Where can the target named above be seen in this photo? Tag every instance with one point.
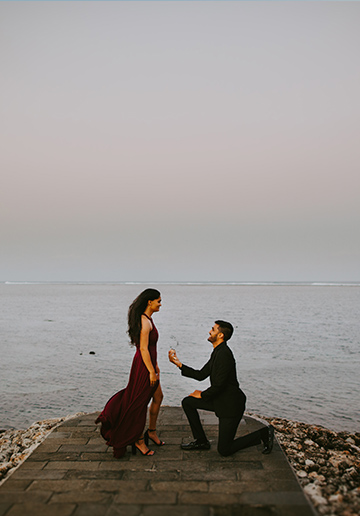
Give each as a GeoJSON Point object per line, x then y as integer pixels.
{"type": "Point", "coordinates": [224, 391]}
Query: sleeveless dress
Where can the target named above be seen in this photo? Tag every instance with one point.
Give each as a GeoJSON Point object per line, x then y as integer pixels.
{"type": "Point", "coordinates": [124, 416]}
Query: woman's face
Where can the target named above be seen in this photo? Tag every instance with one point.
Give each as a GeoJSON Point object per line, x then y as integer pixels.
{"type": "Point", "coordinates": [155, 304]}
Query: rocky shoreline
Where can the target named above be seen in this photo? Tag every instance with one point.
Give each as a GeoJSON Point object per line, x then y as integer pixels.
{"type": "Point", "coordinates": [17, 445]}
{"type": "Point", "coordinates": [327, 463]}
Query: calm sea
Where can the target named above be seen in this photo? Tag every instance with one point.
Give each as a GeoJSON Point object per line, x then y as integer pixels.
{"type": "Point", "coordinates": [296, 346]}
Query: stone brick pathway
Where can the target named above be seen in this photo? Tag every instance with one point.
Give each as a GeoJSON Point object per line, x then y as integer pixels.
{"type": "Point", "coordinates": [73, 473]}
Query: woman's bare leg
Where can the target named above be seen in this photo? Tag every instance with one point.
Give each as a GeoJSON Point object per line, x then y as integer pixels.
{"type": "Point", "coordinates": [154, 412]}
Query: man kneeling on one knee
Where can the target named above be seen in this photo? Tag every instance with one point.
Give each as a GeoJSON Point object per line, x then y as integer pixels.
{"type": "Point", "coordinates": [224, 397]}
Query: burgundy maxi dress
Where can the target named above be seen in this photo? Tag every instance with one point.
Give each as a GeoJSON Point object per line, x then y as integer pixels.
{"type": "Point", "coordinates": [124, 416]}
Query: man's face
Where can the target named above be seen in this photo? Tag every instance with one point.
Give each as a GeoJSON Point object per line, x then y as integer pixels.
{"type": "Point", "coordinates": [214, 333]}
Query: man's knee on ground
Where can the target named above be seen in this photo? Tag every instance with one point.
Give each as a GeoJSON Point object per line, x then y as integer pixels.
{"type": "Point", "coordinates": [185, 401]}
{"type": "Point", "coordinates": [224, 449]}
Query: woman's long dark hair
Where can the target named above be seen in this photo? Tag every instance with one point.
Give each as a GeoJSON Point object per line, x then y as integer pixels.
{"type": "Point", "coordinates": [136, 309]}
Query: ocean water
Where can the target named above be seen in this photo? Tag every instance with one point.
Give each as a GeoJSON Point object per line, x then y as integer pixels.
{"type": "Point", "coordinates": [296, 347]}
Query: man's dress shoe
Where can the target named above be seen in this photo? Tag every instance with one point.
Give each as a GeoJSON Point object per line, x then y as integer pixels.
{"type": "Point", "coordinates": [196, 445]}
{"type": "Point", "coordinates": [269, 441]}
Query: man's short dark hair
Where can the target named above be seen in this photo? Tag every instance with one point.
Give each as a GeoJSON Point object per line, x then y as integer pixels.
{"type": "Point", "coordinates": [226, 329]}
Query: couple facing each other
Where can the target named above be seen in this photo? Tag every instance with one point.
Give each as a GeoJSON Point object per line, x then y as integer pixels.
{"type": "Point", "coordinates": [124, 416]}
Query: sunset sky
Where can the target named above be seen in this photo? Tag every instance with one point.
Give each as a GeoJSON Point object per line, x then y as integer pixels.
{"type": "Point", "coordinates": [180, 141]}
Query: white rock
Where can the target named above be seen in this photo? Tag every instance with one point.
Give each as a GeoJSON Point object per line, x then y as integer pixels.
{"type": "Point", "coordinates": [336, 498]}
{"type": "Point", "coordinates": [301, 473]}
{"type": "Point", "coordinates": [309, 462]}
{"type": "Point", "coordinates": [319, 500]}
{"type": "Point", "coordinates": [5, 466]}
{"type": "Point", "coordinates": [313, 474]}
{"type": "Point", "coordinates": [315, 494]}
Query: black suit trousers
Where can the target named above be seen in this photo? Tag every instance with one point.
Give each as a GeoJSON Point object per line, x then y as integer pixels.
{"type": "Point", "coordinates": [227, 445]}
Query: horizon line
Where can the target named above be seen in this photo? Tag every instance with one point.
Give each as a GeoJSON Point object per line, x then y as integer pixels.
{"type": "Point", "coordinates": [174, 282]}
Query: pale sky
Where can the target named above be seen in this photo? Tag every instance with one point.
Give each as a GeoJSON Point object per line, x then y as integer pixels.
{"type": "Point", "coordinates": [180, 141]}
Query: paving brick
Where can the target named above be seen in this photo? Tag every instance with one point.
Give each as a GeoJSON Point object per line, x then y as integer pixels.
{"type": "Point", "coordinates": [64, 465]}
{"type": "Point", "coordinates": [45, 457]}
{"type": "Point", "coordinates": [145, 497]}
{"type": "Point", "coordinates": [92, 457]}
{"type": "Point", "coordinates": [284, 485]}
{"type": "Point", "coordinates": [36, 509]}
{"type": "Point", "coordinates": [166, 465]}
{"type": "Point", "coordinates": [125, 465]}
{"type": "Point", "coordinates": [178, 486]}
{"type": "Point", "coordinates": [91, 509]}
{"type": "Point", "coordinates": [265, 476]}
{"type": "Point", "coordinates": [167, 452]}
{"type": "Point", "coordinates": [207, 499]}
{"type": "Point", "coordinates": [183, 429]}
{"type": "Point", "coordinates": [151, 475]}
{"type": "Point", "coordinates": [16, 484]}
{"type": "Point", "coordinates": [274, 464]}
{"type": "Point", "coordinates": [70, 440]}
{"type": "Point", "coordinates": [70, 423]}
{"type": "Point", "coordinates": [81, 497]}
{"type": "Point", "coordinates": [58, 486]}
{"type": "Point", "coordinates": [243, 466]}
{"type": "Point", "coordinates": [24, 496]}
{"type": "Point", "coordinates": [174, 439]}
{"type": "Point", "coordinates": [213, 456]}
{"type": "Point", "coordinates": [177, 510]}
{"type": "Point", "coordinates": [247, 510]}
{"type": "Point", "coordinates": [273, 498]}
{"type": "Point", "coordinates": [94, 474]}
{"type": "Point", "coordinates": [34, 474]}
{"type": "Point", "coordinates": [225, 474]}
{"type": "Point", "coordinates": [81, 448]}
{"type": "Point", "coordinates": [28, 464]}
{"type": "Point", "coordinates": [125, 510]}
{"type": "Point", "coordinates": [4, 507]}
{"type": "Point", "coordinates": [118, 486]}
{"type": "Point", "coordinates": [97, 509]}
{"type": "Point", "coordinates": [225, 486]}
{"type": "Point", "coordinates": [300, 510]}
{"type": "Point", "coordinates": [87, 422]}
{"type": "Point", "coordinates": [83, 432]}
{"type": "Point", "coordinates": [48, 446]}
{"type": "Point", "coordinates": [97, 439]}
{"type": "Point", "coordinates": [58, 434]}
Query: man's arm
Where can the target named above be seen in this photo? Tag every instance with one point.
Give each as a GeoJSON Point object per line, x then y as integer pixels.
{"type": "Point", "coordinates": [200, 375]}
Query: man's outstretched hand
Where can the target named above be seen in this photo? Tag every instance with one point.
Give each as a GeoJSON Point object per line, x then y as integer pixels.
{"type": "Point", "coordinates": [173, 358]}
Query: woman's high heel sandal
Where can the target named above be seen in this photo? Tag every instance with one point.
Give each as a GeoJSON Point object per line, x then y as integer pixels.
{"type": "Point", "coordinates": [134, 448]}
{"type": "Point", "coordinates": [147, 437]}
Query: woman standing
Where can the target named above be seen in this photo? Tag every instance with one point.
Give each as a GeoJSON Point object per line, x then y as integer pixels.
{"type": "Point", "coordinates": [124, 416]}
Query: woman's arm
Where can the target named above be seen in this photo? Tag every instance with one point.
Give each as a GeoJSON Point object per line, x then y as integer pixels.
{"type": "Point", "coordinates": [144, 349]}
